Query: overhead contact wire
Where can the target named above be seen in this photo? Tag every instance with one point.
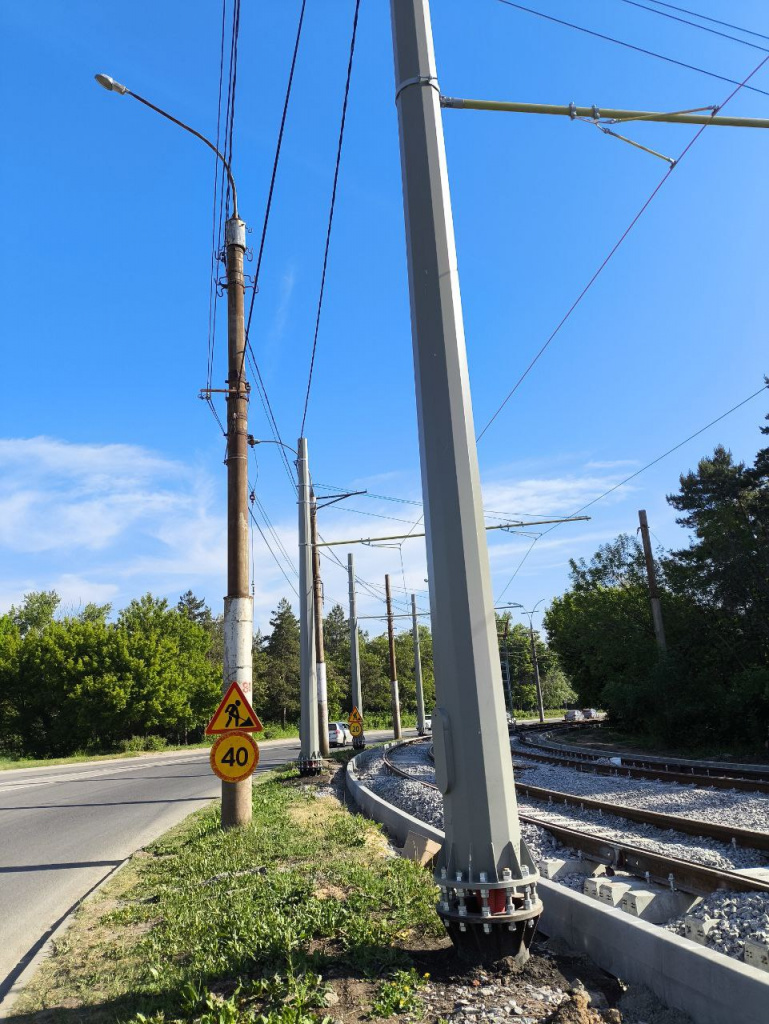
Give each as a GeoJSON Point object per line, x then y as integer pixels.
{"type": "Point", "coordinates": [629, 46]}
{"type": "Point", "coordinates": [623, 236]}
{"type": "Point", "coordinates": [331, 210]}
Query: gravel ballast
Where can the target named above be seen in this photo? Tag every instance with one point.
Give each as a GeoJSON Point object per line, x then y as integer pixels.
{"type": "Point", "coordinates": [737, 915]}
{"type": "Point", "coordinates": [738, 808]}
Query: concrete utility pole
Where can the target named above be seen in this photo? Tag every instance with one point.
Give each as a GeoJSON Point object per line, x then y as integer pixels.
{"type": "Point", "coordinates": [358, 742]}
{"type": "Point", "coordinates": [654, 594]}
{"type": "Point", "coordinates": [394, 695]}
{"type": "Point", "coordinates": [487, 878]}
{"type": "Point", "coordinates": [320, 655]}
{"type": "Point", "coordinates": [309, 755]}
{"type": "Point", "coordinates": [537, 683]}
{"type": "Point", "coordinates": [418, 669]}
{"type": "Point", "coordinates": [534, 659]}
{"type": "Point", "coordinates": [238, 604]}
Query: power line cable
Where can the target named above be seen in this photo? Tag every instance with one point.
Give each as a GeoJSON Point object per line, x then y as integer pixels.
{"type": "Point", "coordinates": [632, 476]}
{"type": "Point", "coordinates": [614, 249]}
{"type": "Point", "coordinates": [630, 46]}
{"type": "Point", "coordinates": [331, 210]}
{"type": "Point", "coordinates": [275, 558]}
{"type": "Point", "coordinates": [273, 176]}
{"type": "Point", "coordinates": [702, 28]}
{"type": "Point", "coordinates": [714, 21]}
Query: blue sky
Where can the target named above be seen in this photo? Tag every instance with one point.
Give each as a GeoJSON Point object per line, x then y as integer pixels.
{"type": "Point", "coordinates": [111, 468]}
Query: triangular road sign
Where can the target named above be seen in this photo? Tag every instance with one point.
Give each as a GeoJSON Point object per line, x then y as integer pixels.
{"type": "Point", "coordinates": [234, 714]}
{"type": "Point", "coordinates": [355, 717]}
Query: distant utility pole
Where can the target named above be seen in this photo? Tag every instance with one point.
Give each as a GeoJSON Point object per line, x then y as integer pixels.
{"type": "Point", "coordinates": [486, 876]}
{"type": "Point", "coordinates": [534, 659]}
{"type": "Point", "coordinates": [418, 669]}
{"type": "Point", "coordinates": [320, 656]}
{"type": "Point", "coordinates": [309, 755]}
{"type": "Point", "coordinates": [507, 682]}
{"type": "Point", "coordinates": [654, 594]}
{"type": "Point", "coordinates": [358, 742]}
{"type": "Point", "coordinates": [394, 697]}
{"type": "Point", "coordinates": [537, 683]}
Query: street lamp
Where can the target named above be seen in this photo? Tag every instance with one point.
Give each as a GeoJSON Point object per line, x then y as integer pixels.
{"type": "Point", "coordinates": [238, 604]}
{"type": "Point", "coordinates": [108, 83]}
{"type": "Point", "coordinates": [537, 682]}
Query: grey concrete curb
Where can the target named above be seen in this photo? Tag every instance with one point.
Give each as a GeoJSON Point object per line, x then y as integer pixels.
{"type": "Point", "coordinates": [711, 988]}
{"type": "Point", "coordinates": [48, 941]}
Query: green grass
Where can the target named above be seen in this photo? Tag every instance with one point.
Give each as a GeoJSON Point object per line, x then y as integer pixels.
{"type": "Point", "coordinates": [244, 927]}
{"type": "Point", "coordinates": [7, 763]}
{"type": "Point", "coordinates": [610, 737]}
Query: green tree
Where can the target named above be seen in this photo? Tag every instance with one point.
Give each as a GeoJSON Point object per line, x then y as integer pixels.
{"type": "Point", "coordinates": [281, 674]}
{"type": "Point", "coordinates": [36, 611]}
{"type": "Point", "coordinates": [195, 608]}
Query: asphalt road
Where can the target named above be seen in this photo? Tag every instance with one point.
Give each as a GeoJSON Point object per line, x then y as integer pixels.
{"type": "Point", "coordinates": [66, 828]}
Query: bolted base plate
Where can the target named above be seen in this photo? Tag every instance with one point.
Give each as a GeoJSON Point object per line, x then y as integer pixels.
{"type": "Point", "coordinates": [310, 766]}
{"type": "Point", "coordinates": [502, 940]}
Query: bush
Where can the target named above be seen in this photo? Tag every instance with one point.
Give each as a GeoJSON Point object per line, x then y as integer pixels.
{"type": "Point", "coordinates": [139, 743]}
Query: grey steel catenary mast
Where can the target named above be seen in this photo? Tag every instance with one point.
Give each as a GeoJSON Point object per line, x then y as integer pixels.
{"type": "Point", "coordinates": [486, 876]}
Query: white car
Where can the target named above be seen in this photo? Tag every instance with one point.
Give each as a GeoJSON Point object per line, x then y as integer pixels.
{"type": "Point", "coordinates": [589, 713]}
{"type": "Point", "coordinates": [573, 716]}
{"type": "Point", "coordinates": [339, 734]}
{"type": "Point", "coordinates": [429, 721]}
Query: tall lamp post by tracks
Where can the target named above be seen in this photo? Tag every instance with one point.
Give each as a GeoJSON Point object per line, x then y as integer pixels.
{"type": "Point", "coordinates": [238, 604]}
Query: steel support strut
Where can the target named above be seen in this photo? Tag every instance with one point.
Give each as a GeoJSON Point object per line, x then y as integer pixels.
{"type": "Point", "coordinates": [487, 878]}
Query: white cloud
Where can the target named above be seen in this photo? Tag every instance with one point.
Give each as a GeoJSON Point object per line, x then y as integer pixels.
{"type": "Point", "coordinates": [545, 497]}
{"type": "Point", "coordinates": [612, 464]}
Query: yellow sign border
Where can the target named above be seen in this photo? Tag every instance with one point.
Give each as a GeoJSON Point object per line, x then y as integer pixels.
{"type": "Point", "coordinates": [221, 739]}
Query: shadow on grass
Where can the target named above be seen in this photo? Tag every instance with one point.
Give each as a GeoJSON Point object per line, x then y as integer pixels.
{"type": "Point", "coordinates": [364, 962]}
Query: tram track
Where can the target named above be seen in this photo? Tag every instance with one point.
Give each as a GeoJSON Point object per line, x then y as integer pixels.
{"type": "Point", "coordinates": [666, 870]}
{"type": "Point", "coordinates": [539, 746]}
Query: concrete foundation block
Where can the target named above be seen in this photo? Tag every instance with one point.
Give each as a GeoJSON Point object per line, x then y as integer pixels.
{"type": "Point", "coordinates": [590, 888]}
{"type": "Point", "coordinates": [612, 893]}
{"type": "Point", "coordinates": [558, 867]}
{"type": "Point", "coordinates": [697, 929]}
{"type": "Point", "coordinates": [757, 954]}
{"type": "Point", "coordinates": [655, 905]}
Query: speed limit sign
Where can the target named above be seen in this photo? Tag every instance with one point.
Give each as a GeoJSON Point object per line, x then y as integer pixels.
{"type": "Point", "coordinates": [234, 756]}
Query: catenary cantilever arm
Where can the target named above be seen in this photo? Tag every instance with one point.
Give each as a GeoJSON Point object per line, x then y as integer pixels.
{"type": "Point", "coordinates": [573, 111]}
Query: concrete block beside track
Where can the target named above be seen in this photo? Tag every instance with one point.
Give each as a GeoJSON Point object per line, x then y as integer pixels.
{"type": "Point", "coordinates": [710, 987]}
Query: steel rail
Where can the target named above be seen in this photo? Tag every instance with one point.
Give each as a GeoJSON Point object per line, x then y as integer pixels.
{"type": "Point", "coordinates": [665, 870]}
{"type": "Point", "coordinates": [619, 771]}
{"type": "Point", "coordinates": [722, 768]}
{"type": "Point", "coordinates": [744, 837]}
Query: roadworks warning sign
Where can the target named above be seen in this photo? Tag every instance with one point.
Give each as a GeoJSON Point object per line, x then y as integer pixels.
{"type": "Point", "coordinates": [355, 716]}
{"type": "Point", "coordinates": [234, 714]}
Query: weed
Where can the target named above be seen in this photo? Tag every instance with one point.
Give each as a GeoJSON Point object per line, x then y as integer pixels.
{"type": "Point", "coordinates": [399, 994]}
{"type": "Point", "coordinates": [241, 927]}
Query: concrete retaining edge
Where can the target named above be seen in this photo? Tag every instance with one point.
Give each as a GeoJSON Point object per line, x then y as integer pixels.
{"type": "Point", "coordinates": [710, 987]}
